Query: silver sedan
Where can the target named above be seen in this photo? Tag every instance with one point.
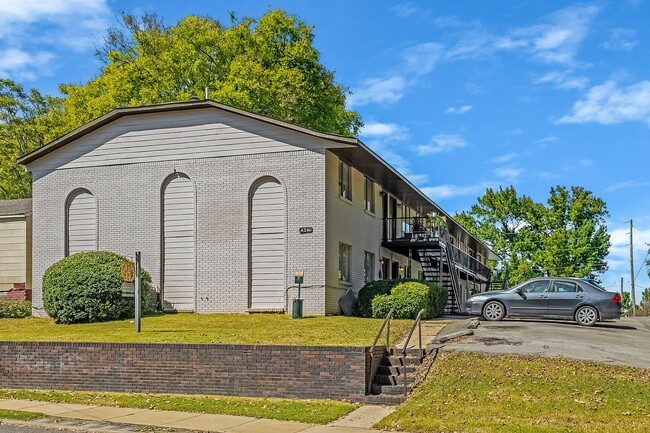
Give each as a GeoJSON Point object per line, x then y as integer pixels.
{"type": "Point", "coordinates": [550, 298]}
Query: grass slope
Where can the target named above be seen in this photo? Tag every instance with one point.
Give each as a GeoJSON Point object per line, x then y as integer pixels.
{"type": "Point", "coordinates": [19, 415]}
{"type": "Point", "coordinates": [476, 393]}
{"type": "Point", "coordinates": [209, 328]}
{"type": "Point", "coordinates": [311, 411]}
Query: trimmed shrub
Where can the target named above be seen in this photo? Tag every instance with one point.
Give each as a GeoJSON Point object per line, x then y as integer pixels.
{"type": "Point", "coordinates": [408, 298]}
{"type": "Point", "coordinates": [87, 287]}
{"type": "Point", "coordinates": [15, 309]}
{"type": "Point", "coordinates": [372, 289]}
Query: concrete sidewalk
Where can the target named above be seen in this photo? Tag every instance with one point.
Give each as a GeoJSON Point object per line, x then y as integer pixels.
{"type": "Point", "coordinates": [178, 420]}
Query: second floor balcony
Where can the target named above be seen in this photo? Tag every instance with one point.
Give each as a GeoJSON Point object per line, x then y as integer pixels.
{"type": "Point", "coordinates": [407, 235]}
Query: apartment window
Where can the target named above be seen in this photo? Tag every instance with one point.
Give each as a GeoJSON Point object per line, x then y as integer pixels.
{"type": "Point", "coordinates": [345, 180]}
{"type": "Point", "coordinates": [368, 267]}
{"type": "Point", "coordinates": [344, 262]}
{"type": "Point", "coordinates": [384, 269]}
{"type": "Point", "coordinates": [370, 195]}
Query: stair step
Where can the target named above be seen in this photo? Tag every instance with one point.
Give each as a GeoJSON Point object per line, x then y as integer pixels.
{"type": "Point", "coordinates": [394, 360]}
{"type": "Point", "coordinates": [384, 399]}
{"type": "Point", "coordinates": [387, 389]}
{"type": "Point", "coordinates": [396, 370]}
{"type": "Point", "coordinates": [389, 379]}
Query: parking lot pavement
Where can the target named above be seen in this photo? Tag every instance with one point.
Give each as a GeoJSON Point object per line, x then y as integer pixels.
{"type": "Point", "coordinates": [624, 342]}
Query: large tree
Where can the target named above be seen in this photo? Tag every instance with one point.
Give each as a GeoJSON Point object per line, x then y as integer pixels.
{"type": "Point", "coordinates": [21, 130]}
{"type": "Point", "coordinates": [267, 66]}
{"type": "Point", "coordinates": [567, 236]}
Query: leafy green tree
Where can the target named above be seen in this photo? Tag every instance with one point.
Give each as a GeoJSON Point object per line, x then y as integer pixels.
{"type": "Point", "coordinates": [267, 66]}
{"type": "Point", "coordinates": [566, 237]}
{"type": "Point", "coordinates": [21, 131]}
{"type": "Point", "coordinates": [502, 219]}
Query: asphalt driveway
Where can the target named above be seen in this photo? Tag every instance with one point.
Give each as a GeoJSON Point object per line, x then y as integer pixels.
{"type": "Point", "coordinates": [624, 342]}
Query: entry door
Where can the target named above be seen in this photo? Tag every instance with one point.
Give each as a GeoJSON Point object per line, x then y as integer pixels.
{"type": "Point", "coordinates": [267, 246]}
{"type": "Point", "coordinates": [179, 237]}
{"type": "Point", "coordinates": [533, 299]}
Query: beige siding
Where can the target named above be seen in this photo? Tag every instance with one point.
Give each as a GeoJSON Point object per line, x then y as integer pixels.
{"type": "Point", "coordinates": [349, 222]}
{"type": "Point", "coordinates": [268, 251]}
{"type": "Point", "coordinates": [179, 244]}
{"type": "Point", "coordinates": [161, 137]}
{"type": "Point", "coordinates": [82, 223]}
{"type": "Point", "coordinates": [14, 252]}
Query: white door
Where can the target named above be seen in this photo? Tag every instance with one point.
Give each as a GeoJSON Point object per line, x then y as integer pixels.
{"type": "Point", "coordinates": [179, 291]}
{"type": "Point", "coordinates": [82, 223]}
{"type": "Point", "coordinates": [267, 247]}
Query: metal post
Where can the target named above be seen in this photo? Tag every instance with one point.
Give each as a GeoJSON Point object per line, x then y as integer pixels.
{"type": "Point", "coordinates": [138, 298]}
{"type": "Point", "coordinates": [632, 294]}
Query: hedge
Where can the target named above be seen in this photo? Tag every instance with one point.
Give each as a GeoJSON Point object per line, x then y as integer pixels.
{"type": "Point", "coordinates": [408, 298]}
{"type": "Point", "coordinates": [372, 289]}
{"type": "Point", "coordinates": [87, 287]}
{"type": "Point", "coordinates": [10, 309]}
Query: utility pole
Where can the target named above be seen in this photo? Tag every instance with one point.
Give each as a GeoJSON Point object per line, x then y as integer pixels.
{"type": "Point", "coordinates": [632, 271]}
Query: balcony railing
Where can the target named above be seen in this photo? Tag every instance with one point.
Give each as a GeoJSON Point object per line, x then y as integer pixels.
{"type": "Point", "coordinates": [417, 230]}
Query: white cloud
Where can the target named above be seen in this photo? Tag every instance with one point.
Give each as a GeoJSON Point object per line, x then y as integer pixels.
{"type": "Point", "coordinates": [504, 158]}
{"type": "Point", "coordinates": [458, 110]}
{"type": "Point", "coordinates": [378, 90]}
{"type": "Point", "coordinates": [405, 10]}
{"type": "Point", "coordinates": [546, 140]}
{"type": "Point", "coordinates": [626, 185]}
{"type": "Point", "coordinates": [585, 162]}
{"type": "Point", "coordinates": [563, 80]}
{"type": "Point", "coordinates": [420, 59]}
{"type": "Point", "coordinates": [440, 192]}
{"type": "Point", "coordinates": [609, 104]}
{"type": "Point", "coordinates": [508, 173]}
{"type": "Point", "coordinates": [442, 143]}
{"type": "Point", "coordinates": [621, 40]}
{"type": "Point", "coordinates": [378, 129]}
{"type": "Point", "coordinates": [33, 31]}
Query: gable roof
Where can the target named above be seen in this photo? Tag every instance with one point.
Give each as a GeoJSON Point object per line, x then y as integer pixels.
{"type": "Point", "coordinates": [15, 208]}
{"type": "Point", "coordinates": [354, 151]}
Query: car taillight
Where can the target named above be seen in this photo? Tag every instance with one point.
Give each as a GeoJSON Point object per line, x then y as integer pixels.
{"type": "Point", "coordinates": [616, 298]}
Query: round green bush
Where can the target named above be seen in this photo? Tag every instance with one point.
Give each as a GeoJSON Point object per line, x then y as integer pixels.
{"type": "Point", "coordinates": [10, 309]}
{"type": "Point", "coordinates": [87, 287]}
{"type": "Point", "coordinates": [408, 298]}
{"type": "Point", "coordinates": [372, 289]}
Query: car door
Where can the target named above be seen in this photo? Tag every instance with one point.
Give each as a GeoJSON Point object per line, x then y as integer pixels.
{"type": "Point", "coordinates": [532, 299]}
{"type": "Point", "coordinates": [564, 297]}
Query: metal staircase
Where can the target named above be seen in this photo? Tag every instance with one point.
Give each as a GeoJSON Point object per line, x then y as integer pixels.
{"type": "Point", "coordinates": [439, 266]}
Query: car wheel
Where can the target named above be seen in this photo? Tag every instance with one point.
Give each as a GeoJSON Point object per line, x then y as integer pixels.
{"type": "Point", "coordinates": [586, 316]}
{"type": "Point", "coordinates": [493, 311]}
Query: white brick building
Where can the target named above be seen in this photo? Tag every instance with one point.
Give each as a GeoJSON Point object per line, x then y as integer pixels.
{"type": "Point", "coordinates": [225, 205]}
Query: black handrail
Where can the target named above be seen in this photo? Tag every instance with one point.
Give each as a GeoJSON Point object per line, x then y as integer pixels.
{"type": "Point", "coordinates": [374, 344]}
{"type": "Point", "coordinates": [418, 323]}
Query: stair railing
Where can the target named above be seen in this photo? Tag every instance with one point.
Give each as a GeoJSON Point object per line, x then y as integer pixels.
{"type": "Point", "coordinates": [417, 324]}
{"type": "Point", "coordinates": [386, 325]}
{"type": "Point", "coordinates": [453, 272]}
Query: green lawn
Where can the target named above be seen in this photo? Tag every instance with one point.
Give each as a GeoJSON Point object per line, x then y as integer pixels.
{"type": "Point", "coordinates": [475, 393]}
{"type": "Point", "coordinates": [311, 411]}
{"type": "Point", "coordinates": [19, 415]}
{"type": "Point", "coordinates": [209, 328]}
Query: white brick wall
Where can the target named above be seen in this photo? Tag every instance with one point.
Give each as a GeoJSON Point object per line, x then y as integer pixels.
{"type": "Point", "coordinates": [129, 200]}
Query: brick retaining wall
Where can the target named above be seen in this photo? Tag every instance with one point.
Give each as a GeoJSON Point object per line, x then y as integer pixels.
{"type": "Point", "coordinates": [243, 370]}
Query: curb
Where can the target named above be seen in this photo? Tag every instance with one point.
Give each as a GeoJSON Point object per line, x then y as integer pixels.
{"type": "Point", "coordinates": [453, 335]}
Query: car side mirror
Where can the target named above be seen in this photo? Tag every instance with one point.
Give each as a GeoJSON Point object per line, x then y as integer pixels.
{"type": "Point", "coordinates": [519, 290]}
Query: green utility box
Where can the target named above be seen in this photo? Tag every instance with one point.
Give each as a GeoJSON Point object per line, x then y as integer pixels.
{"type": "Point", "coordinates": [296, 313]}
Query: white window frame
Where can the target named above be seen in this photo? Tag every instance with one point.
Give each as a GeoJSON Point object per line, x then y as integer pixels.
{"type": "Point", "coordinates": [368, 267]}
{"type": "Point", "coordinates": [345, 181]}
{"type": "Point", "coordinates": [369, 195]}
{"type": "Point", "coordinates": [344, 262]}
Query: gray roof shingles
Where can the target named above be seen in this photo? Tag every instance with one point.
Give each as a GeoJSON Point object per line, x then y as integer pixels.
{"type": "Point", "coordinates": [21, 206]}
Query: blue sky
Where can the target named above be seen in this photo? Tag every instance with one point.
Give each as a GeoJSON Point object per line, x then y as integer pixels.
{"type": "Point", "coordinates": [459, 96]}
